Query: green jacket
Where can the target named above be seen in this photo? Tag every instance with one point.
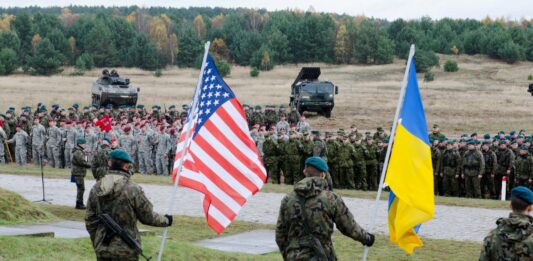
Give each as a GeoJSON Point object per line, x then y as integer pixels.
{"type": "Point", "coordinates": [79, 164]}
{"type": "Point", "coordinates": [511, 240]}
{"type": "Point", "coordinates": [99, 164]}
{"type": "Point", "coordinates": [322, 208]}
{"type": "Point", "coordinates": [125, 201]}
{"type": "Point", "coordinates": [524, 167]}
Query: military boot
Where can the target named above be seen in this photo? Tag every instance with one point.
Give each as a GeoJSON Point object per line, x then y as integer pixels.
{"type": "Point", "coordinates": [80, 205]}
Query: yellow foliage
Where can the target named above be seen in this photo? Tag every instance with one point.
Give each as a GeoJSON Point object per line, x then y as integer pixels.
{"type": "Point", "coordinates": [219, 49]}
{"type": "Point", "coordinates": [342, 48]}
{"type": "Point", "coordinates": [72, 43]}
{"type": "Point", "coordinates": [218, 21]}
{"type": "Point", "coordinates": [158, 34]}
{"type": "Point", "coordinates": [487, 20]}
{"type": "Point", "coordinates": [199, 26]}
{"type": "Point", "coordinates": [454, 50]}
{"type": "Point", "coordinates": [35, 40]}
{"type": "Point", "coordinates": [5, 23]}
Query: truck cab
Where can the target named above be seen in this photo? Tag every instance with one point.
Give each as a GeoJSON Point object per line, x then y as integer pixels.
{"type": "Point", "coordinates": [310, 94]}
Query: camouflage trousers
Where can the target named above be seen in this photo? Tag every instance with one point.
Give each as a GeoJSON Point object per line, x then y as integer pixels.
{"type": "Point", "coordinates": [161, 162]}
{"type": "Point", "coordinates": [121, 258]}
{"type": "Point", "coordinates": [450, 185]}
{"type": "Point", "coordinates": [68, 157]}
{"type": "Point", "coordinates": [372, 176]}
{"type": "Point", "coordinates": [54, 157]}
{"type": "Point", "coordinates": [37, 152]}
{"type": "Point", "coordinates": [522, 182]}
{"type": "Point", "coordinates": [80, 186]}
{"type": "Point", "coordinates": [2, 152]}
{"type": "Point", "coordinates": [145, 162]}
{"type": "Point", "coordinates": [472, 186]}
{"type": "Point", "coordinates": [272, 169]}
{"type": "Point", "coordinates": [437, 184]}
{"type": "Point", "coordinates": [487, 186]}
{"type": "Point", "coordinates": [359, 170]}
{"type": "Point", "coordinates": [21, 155]}
{"type": "Point", "coordinates": [291, 168]}
{"type": "Point", "coordinates": [346, 177]}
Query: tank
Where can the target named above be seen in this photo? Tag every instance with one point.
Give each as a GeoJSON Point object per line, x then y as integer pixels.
{"type": "Point", "coordinates": [310, 94]}
{"type": "Point", "coordinates": [111, 88]}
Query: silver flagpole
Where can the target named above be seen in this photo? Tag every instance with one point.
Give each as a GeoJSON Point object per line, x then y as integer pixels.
{"type": "Point", "coordinates": [183, 150]}
{"type": "Point", "coordinates": [389, 147]}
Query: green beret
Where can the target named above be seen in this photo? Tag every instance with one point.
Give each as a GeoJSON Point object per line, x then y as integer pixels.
{"type": "Point", "coordinates": [140, 106]}
{"type": "Point", "coordinates": [172, 107]}
{"type": "Point", "coordinates": [258, 107]}
{"type": "Point", "coordinates": [471, 142]}
{"type": "Point", "coordinates": [501, 132]}
{"type": "Point", "coordinates": [80, 141]}
{"type": "Point", "coordinates": [473, 134]}
{"type": "Point", "coordinates": [486, 143]}
{"type": "Point", "coordinates": [75, 105]}
{"type": "Point", "coordinates": [523, 193]}
{"type": "Point", "coordinates": [282, 106]}
{"type": "Point", "coordinates": [155, 106]}
{"type": "Point", "coordinates": [318, 163]}
{"type": "Point", "coordinates": [353, 126]}
{"type": "Point", "coordinates": [451, 142]}
{"type": "Point", "coordinates": [315, 132]}
{"type": "Point", "coordinates": [107, 139]}
{"type": "Point", "coordinates": [435, 125]}
{"type": "Point", "coordinates": [526, 148]}
{"type": "Point", "coordinates": [380, 129]}
{"type": "Point", "coordinates": [185, 106]}
{"type": "Point", "coordinates": [512, 132]}
{"type": "Point", "coordinates": [85, 107]}
{"type": "Point", "coordinates": [120, 154]}
{"type": "Point", "coordinates": [486, 136]}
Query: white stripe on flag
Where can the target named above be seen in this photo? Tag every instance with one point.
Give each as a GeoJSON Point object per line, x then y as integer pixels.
{"type": "Point", "coordinates": [218, 216]}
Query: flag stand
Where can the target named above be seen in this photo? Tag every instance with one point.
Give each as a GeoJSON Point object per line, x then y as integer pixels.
{"type": "Point", "coordinates": [184, 151]}
{"type": "Point", "coordinates": [389, 147]}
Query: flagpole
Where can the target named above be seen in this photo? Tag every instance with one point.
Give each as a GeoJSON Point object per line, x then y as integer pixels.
{"type": "Point", "coordinates": [389, 147]}
{"type": "Point", "coordinates": [184, 150]}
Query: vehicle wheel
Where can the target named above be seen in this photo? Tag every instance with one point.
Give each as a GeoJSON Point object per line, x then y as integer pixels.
{"type": "Point", "coordinates": [327, 114]}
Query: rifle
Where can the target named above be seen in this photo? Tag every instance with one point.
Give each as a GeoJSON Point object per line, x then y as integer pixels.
{"type": "Point", "coordinates": [113, 229]}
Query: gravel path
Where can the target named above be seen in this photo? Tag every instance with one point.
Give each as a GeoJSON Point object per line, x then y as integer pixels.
{"type": "Point", "coordinates": [454, 223]}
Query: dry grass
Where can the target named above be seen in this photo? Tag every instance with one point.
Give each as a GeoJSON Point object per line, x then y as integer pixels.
{"type": "Point", "coordinates": [485, 95]}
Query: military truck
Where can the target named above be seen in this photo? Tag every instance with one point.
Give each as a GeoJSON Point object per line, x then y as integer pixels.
{"type": "Point", "coordinates": [310, 94]}
{"type": "Point", "coordinates": [110, 88]}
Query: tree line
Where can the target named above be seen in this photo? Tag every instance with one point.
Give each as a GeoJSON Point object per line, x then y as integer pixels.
{"type": "Point", "coordinates": [42, 40]}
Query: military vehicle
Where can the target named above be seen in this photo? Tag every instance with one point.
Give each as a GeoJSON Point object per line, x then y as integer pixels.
{"type": "Point", "coordinates": [110, 88]}
{"type": "Point", "coordinates": [310, 94]}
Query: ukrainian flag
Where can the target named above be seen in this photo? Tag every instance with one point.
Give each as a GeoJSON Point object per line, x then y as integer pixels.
{"type": "Point", "coordinates": [410, 171]}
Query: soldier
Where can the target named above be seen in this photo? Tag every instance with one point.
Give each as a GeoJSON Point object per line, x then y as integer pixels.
{"type": "Point", "coordinates": [512, 239]}
{"type": "Point", "coordinates": [271, 118]}
{"type": "Point", "coordinates": [21, 141]}
{"type": "Point", "coordinates": [450, 169]}
{"type": "Point", "coordinates": [127, 142]}
{"type": "Point", "coordinates": [69, 138]}
{"type": "Point", "coordinates": [291, 152]}
{"type": "Point", "coordinates": [306, 152]}
{"type": "Point", "coordinates": [282, 124]}
{"type": "Point", "coordinates": [53, 145]}
{"type": "Point", "coordinates": [505, 159]}
{"type": "Point", "coordinates": [146, 142]}
{"type": "Point", "coordinates": [271, 155]}
{"type": "Point", "coordinates": [257, 116]}
{"type": "Point", "coordinates": [371, 161]}
{"type": "Point", "coordinates": [359, 163]}
{"type": "Point", "coordinates": [303, 125]}
{"type": "Point", "coordinates": [436, 134]}
{"type": "Point", "coordinates": [293, 116]}
{"type": "Point", "coordinates": [79, 170]}
{"type": "Point", "coordinates": [487, 182]}
{"type": "Point", "coordinates": [436, 160]}
{"type": "Point", "coordinates": [37, 142]}
{"type": "Point", "coordinates": [162, 150]}
{"type": "Point", "coordinates": [473, 170]}
{"type": "Point", "coordinates": [332, 149]}
{"type": "Point", "coordinates": [125, 202]}
{"type": "Point", "coordinates": [99, 163]}
{"type": "Point", "coordinates": [345, 154]}
{"type": "Point", "coordinates": [524, 168]}
{"type": "Point", "coordinates": [306, 218]}
{"type": "Point", "coordinates": [92, 143]}
{"type": "Point", "coordinates": [380, 134]}
{"type": "Point", "coordinates": [3, 139]}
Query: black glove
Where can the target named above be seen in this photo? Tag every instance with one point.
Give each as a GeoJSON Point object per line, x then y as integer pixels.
{"type": "Point", "coordinates": [169, 218]}
{"type": "Point", "coordinates": [369, 240]}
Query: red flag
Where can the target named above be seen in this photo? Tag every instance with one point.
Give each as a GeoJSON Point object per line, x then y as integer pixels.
{"type": "Point", "coordinates": [104, 123]}
{"type": "Point", "coordinates": [221, 160]}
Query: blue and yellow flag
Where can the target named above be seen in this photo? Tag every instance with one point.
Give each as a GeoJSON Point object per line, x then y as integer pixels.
{"type": "Point", "coordinates": [410, 171]}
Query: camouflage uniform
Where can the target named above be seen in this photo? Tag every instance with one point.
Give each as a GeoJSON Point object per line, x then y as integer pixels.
{"type": "Point", "coordinates": [92, 145]}
{"type": "Point", "coordinates": [21, 140]}
{"type": "Point", "coordinates": [52, 147]}
{"type": "Point", "coordinates": [523, 170]}
{"type": "Point", "coordinates": [371, 160]}
{"type": "Point", "coordinates": [271, 152]}
{"type": "Point", "coordinates": [473, 169]}
{"type": "Point", "coordinates": [146, 144]}
{"type": "Point", "coordinates": [126, 203]}
{"type": "Point", "coordinates": [306, 152]}
{"type": "Point", "coordinates": [79, 170]}
{"type": "Point", "coordinates": [291, 151]}
{"type": "Point", "coordinates": [3, 139]}
{"type": "Point", "coordinates": [487, 181]}
{"type": "Point", "coordinates": [296, 239]}
{"type": "Point", "coordinates": [163, 148]}
{"type": "Point", "coordinates": [99, 165]}
{"type": "Point", "coordinates": [332, 149]}
{"type": "Point", "coordinates": [359, 165]}
{"type": "Point", "coordinates": [345, 165]}
{"type": "Point", "coordinates": [505, 159]}
{"type": "Point", "coordinates": [70, 136]}
{"type": "Point", "coordinates": [450, 169]}
{"type": "Point", "coordinates": [37, 144]}
{"type": "Point", "coordinates": [511, 240]}
{"type": "Point", "coordinates": [436, 160]}
{"type": "Point", "coordinates": [127, 142]}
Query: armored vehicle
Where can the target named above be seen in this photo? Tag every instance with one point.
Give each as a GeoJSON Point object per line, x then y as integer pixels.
{"type": "Point", "coordinates": [110, 88]}
{"type": "Point", "coordinates": [310, 94]}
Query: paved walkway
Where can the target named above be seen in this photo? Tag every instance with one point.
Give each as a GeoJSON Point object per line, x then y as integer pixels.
{"type": "Point", "coordinates": [454, 223]}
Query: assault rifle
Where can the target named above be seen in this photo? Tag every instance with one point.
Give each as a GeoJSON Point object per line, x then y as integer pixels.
{"type": "Point", "coordinates": [113, 229]}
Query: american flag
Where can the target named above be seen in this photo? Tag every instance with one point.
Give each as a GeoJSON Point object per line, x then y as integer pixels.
{"type": "Point", "coordinates": [221, 159]}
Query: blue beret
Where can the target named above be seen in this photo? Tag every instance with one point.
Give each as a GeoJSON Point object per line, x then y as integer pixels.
{"type": "Point", "coordinates": [486, 143]}
{"type": "Point", "coordinates": [80, 140]}
{"type": "Point", "coordinates": [523, 193]}
{"type": "Point", "coordinates": [473, 134]}
{"type": "Point", "coordinates": [471, 142]}
{"type": "Point", "coordinates": [512, 132]}
{"type": "Point", "coordinates": [317, 163]}
{"type": "Point", "coordinates": [120, 154]}
{"type": "Point", "coordinates": [526, 148]}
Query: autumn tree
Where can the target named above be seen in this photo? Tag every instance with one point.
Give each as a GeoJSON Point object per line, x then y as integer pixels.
{"type": "Point", "coordinates": [342, 45]}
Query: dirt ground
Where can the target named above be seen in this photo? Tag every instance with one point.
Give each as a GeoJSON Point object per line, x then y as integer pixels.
{"type": "Point", "coordinates": [485, 95]}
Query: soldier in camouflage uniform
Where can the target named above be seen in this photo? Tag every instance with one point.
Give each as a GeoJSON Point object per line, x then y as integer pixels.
{"type": "Point", "coordinates": [271, 118]}
{"type": "Point", "coordinates": [359, 163]}
{"type": "Point", "coordinates": [79, 170]}
{"type": "Point", "coordinates": [99, 163]}
{"type": "Point", "coordinates": [332, 149]}
{"type": "Point", "coordinates": [3, 139]}
{"type": "Point", "coordinates": [450, 170]}
{"type": "Point", "coordinates": [271, 153]}
{"type": "Point", "coordinates": [306, 218]}
{"type": "Point", "coordinates": [306, 152]}
{"type": "Point", "coordinates": [53, 144]}
{"type": "Point", "coordinates": [69, 137]}
{"type": "Point", "coordinates": [146, 141]}
{"type": "Point", "coordinates": [127, 142]}
{"type": "Point", "coordinates": [371, 161]}
{"type": "Point", "coordinates": [162, 150]}
{"type": "Point", "coordinates": [257, 116]}
{"type": "Point", "coordinates": [505, 159]}
{"type": "Point", "coordinates": [37, 142]}
{"type": "Point", "coordinates": [436, 160]}
{"type": "Point", "coordinates": [473, 170]}
{"type": "Point", "coordinates": [291, 152]}
{"type": "Point", "coordinates": [21, 141]}
{"type": "Point", "coordinates": [524, 168]}
{"type": "Point", "coordinates": [345, 164]}
{"type": "Point", "coordinates": [119, 197]}
{"type": "Point", "coordinates": [293, 116]}
{"type": "Point", "coordinates": [513, 238]}
{"type": "Point", "coordinates": [487, 182]}
{"type": "Point", "coordinates": [436, 134]}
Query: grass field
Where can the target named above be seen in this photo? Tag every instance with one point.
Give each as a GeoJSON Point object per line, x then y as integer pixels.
{"type": "Point", "coordinates": [149, 179]}
{"type": "Point", "coordinates": [188, 230]}
{"type": "Point", "coordinates": [485, 95]}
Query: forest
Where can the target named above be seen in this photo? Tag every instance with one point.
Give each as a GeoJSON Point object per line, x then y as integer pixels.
{"type": "Point", "coordinates": [43, 40]}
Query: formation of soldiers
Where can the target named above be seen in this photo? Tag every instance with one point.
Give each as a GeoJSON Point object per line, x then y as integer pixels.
{"type": "Point", "coordinates": [49, 137]}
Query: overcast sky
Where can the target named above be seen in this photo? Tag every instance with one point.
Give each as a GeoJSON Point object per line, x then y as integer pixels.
{"type": "Point", "coordinates": [390, 9]}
